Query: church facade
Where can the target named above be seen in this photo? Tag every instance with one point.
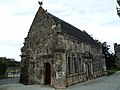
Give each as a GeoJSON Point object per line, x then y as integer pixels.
{"type": "Point", "coordinates": [58, 54]}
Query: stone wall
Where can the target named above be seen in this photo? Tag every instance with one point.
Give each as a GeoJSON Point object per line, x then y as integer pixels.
{"type": "Point", "coordinates": [43, 45]}
{"type": "Point", "coordinates": [84, 61]}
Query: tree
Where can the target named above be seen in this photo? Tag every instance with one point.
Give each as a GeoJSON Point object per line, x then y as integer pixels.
{"type": "Point", "coordinates": [3, 66]}
{"type": "Point", "coordinates": [109, 57]}
{"type": "Point", "coordinates": [5, 63]}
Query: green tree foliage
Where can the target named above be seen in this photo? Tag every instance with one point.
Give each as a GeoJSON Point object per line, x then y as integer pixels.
{"type": "Point", "coordinates": [6, 62]}
{"type": "Point", "coordinates": [109, 57]}
{"type": "Point", "coordinates": [3, 65]}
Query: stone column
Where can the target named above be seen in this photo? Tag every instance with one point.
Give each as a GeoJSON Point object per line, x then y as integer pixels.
{"type": "Point", "coordinates": [60, 75]}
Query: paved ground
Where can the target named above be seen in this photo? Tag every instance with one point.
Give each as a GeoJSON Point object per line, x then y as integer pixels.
{"type": "Point", "coordinates": [9, 81]}
{"type": "Point", "coordinates": [104, 83]}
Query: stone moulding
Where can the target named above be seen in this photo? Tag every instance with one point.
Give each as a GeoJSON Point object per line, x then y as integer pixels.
{"type": "Point", "coordinates": [59, 50]}
{"type": "Point", "coordinates": [47, 56]}
{"type": "Point", "coordinates": [87, 55]}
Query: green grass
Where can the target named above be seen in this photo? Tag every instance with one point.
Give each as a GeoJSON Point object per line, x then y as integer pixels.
{"type": "Point", "coordinates": [112, 70]}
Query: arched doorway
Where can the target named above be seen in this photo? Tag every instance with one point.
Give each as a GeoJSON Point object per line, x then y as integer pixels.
{"type": "Point", "coordinates": [47, 80]}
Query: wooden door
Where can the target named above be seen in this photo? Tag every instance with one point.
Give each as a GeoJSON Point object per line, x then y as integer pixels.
{"type": "Point", "coordinates": [47, 73]}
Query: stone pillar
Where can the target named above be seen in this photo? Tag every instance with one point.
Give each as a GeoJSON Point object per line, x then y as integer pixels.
{"type": "Point", "coordinates": [60, 74]}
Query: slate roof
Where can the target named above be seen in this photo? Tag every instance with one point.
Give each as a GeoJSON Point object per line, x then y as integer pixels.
{"type": "Point", "coordinates": [71, 30]}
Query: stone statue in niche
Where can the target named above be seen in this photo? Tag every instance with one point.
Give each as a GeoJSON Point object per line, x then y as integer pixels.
{"type": "Point", "coordinates": [59, 75]}
{"type": "Point", "coordinates": [60, 44]}
{"type": "Point", "coordinates": [59, 70]}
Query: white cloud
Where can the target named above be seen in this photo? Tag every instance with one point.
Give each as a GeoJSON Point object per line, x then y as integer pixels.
{"type": "Point", "coordinates": [13, 28]}
{"type": "Point", "coordinates": [103, 33]}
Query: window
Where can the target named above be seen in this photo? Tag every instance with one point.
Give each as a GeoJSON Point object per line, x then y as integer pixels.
{"type": "Point", "coordinates": [76, 65]}
{"type": "Point", "coordinates": [79, 63]}
{"type": "Point", "coordinates": [69, 64]}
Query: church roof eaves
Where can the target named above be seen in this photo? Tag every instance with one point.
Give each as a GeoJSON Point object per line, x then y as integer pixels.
{"type": "Point", "coordinates": [71, 30]}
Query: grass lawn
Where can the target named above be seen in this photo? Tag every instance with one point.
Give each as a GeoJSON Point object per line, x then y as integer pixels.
{"type": "Point", "coordinates": [112, 70]}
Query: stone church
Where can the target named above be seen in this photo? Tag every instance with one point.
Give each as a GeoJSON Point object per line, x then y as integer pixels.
{"type": "Point", "coordinates": [57, 54]}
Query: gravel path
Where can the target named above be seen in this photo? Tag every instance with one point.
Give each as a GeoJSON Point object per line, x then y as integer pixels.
{"type": "Point", "coordinates": [104, 83]}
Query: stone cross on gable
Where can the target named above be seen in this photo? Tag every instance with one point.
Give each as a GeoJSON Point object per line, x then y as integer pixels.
{"type": "Point", "coordinates": [40, 3]}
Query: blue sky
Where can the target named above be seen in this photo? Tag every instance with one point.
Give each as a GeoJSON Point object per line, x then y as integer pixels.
{"type": "Point", "coordinates": [97, 17]}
